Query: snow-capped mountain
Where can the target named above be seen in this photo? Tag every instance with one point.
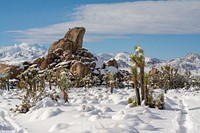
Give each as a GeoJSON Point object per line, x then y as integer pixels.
{"type": "Point", "coordinates": [190, 62]}
{"type": "Point", "coordinates": [124, 61]}
{"type": "Point", "coordinates": [28, 52]}
{"type": "Point", "coordinates": [21, 52]}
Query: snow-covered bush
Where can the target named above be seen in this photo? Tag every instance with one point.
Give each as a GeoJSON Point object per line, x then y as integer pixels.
{"type": "Point", "coordinates": [156, 99]}
{"type": "Point", "coordinates": [64, 84]}
{"type": "Point", "coordinates": [132, 102]}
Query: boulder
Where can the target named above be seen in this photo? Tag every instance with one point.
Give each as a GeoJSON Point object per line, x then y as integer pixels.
{"type": "Point", "coordinates": [112, 62]}
{"type": "Point", "coordinates": [68, 55]}
{"type": "Point", "coordinates": [76, 35]}
{"type": "Point", "coordinates": [58, 51]}
{"type": "Point", "coordinates": [52, 56]}
{"type": "Point", "coordinates": [26, 64]}
{"type": "Point", "coordinates": [44, 64]}
{"type": "Point", "coordinates": [72, 41]}
{"type": "Point", "coordinates": [38, 61]}
{"type": "Point", "coordinates": [82, 69]}
{"type": "Point", "coordinates": [11, 69]}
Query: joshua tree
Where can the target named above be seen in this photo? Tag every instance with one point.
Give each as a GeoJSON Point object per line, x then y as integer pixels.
{"type": "Point", "coordinates": [146, 79]}
{"type": "Point", "coordinates": [111, 81]}
{"type": "Point", "coordinates": [76, 79]}
{"type": "Point", "coordinates": [170, 78]}
{"type": "Point", "coordinates": [135, 82]}
{"type": "Point", "coordinates": [2, 83]}
{"type": "Point", "coordinates": [96, 81]}
{"type": "Point", "coordinates": [87, 81]}
{"type": "Point", "coordinates": [139, 60]}
{"type": "Point", "coordinates": [49, 74]}
{"type": "Point", "coordinates": [6, 76]}
{"type": "Point", "coordinates": [106, 80]}
{"type": "Point", "coordinates": [41, 80]}
{"type": "Point", "coordinates": [187, 75]}
{"type": "Point", "coordinates": [167, 76]}
{"type": "Point", "coordinates": [64, 84]}
{"type": "Point", "coordinates": [28, 80]}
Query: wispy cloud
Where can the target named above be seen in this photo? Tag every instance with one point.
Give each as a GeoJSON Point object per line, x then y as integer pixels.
{"type": "Point", "coordinates": [120, 19]}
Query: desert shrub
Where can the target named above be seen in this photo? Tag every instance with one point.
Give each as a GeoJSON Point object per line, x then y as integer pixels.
{"type": "Point", "coordinates": [132, 102]}
{"type": "Point", "coordinates": [156, 99]}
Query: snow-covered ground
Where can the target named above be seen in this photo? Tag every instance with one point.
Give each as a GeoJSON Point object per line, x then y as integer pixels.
{"type": "Point", "coordinates": [95, 110]}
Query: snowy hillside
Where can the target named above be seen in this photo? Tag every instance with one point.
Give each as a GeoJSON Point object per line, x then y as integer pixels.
{"type": "Point", "coordinates": [190, 62]}
{"type": "Point", "coordinates": [21, 52]}
{"type": "Point", "coordinates": [96, 111]}
{"type": "Point", "coordinates": [125, 62]}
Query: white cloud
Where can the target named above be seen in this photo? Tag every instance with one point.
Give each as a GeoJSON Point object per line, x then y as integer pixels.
{"type": "Point", "coordinates": [119, 19]}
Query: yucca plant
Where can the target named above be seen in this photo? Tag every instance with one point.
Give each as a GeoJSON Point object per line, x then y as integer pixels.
{"type": "Point", "coordinates": [87, 81]}
{"type": "Point", "coordinates": [111, 81]}
{"type": "Point", "coordinates": [3, 83]}
{"type": "Point", "coordinates": [6, 76]}
{"type": "Point", "coordinates": [188, 75]}
{"type": "Point", "coordinates": [76, 79]}
{"type": "Point", "coordinates": [49, 74]}
{"type": "Point", "coordinates": [64, 84]}
{"type": "Point", "coordinates": [132, 102]}
{"type": "Point", "coordinates": [106, 80]}
{"type": "Point", "coordinates": [159, 101]}
{"type": "Point", "coordinates": [150, 99]}
{"type": "Point", "coordinates": [139, 60]}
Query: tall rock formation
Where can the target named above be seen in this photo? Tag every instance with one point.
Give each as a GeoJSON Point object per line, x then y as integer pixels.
{"type": "Point", "coordinates": [72, 40]}
{"type": "Point", "coordinates": [68, 52]}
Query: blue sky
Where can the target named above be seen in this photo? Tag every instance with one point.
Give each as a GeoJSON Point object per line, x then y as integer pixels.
{"type": "Point", "coordinates": [166, 29]}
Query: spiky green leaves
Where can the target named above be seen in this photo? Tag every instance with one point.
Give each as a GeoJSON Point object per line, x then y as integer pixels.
{"type": "Point", "coordinates": [138, 57]}
{"type": "Point", "coordinates": [64, 81]}
{"type": "Point", "coordinates": [134, 73]}
{"type": "Point", "coordinates": [110, 76]}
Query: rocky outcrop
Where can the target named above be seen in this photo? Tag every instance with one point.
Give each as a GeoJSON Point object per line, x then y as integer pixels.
{"type": "Point", "coordinates": [68, 53]}
{"type": "Point", "coordinates": [72, 40]}
{"type": "Point", "coordinates": [12, 70]}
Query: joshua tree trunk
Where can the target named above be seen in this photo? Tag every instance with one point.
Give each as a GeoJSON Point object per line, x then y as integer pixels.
{"type": "Point", "coordinates": [8, 87]}
{"type": "Point", "coordinates": [142, 82]}
{"type": "Point", "coordinates": [30, 87]}
{"type": "Point", "coordinates": [34, 87]}
{"type": "Point", "coordinates": [137, 93]}
{"type": "Point", "coordinates": [146, 94]}
{"type": "Point", "coordinates": [65, 96]}
{"type": "Point", "coordinates": [111, 86]}
{"type": "Point", "coordinates": [50, 87]}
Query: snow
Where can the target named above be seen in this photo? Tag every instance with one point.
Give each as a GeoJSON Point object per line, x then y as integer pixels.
{"type": "Point", "coordinates": [108, 69]}
{"type": "Point", "coordinates": [43, 114]}
{"type": "Point", "coordinates": [59, 126]}
{"type": "Point", "coordinates": [15, 55]}
{"type": "Point", "coordinates": [95, 110]}
{"type": "Point", "coordinates": [190, 62]}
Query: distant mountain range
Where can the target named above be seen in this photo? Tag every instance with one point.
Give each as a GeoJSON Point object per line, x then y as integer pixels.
{"type": "Point", "coordinates": [28, 52]}
{"type": "Point", "coordinates": [190, 62]}
{"type": "Point", "coordinates": [14, 55]}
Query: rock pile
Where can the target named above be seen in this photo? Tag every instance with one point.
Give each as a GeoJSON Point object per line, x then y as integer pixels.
{"type": "Point", "coordinates": [68, 53]}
